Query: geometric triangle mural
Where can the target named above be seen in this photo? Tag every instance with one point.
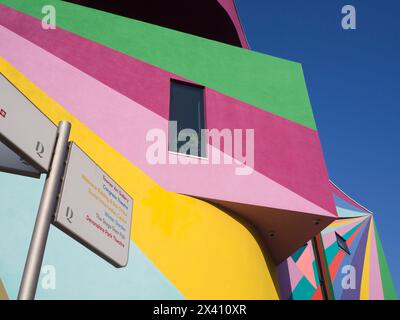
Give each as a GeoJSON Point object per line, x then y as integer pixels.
{"type": "Point", "coordinates": [357, 271]}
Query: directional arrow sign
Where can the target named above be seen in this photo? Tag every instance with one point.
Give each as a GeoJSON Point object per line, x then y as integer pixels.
{"type": "Point", "coordinates": [27, 136]}
{"type": "Point", "coordinates": [94, 209]}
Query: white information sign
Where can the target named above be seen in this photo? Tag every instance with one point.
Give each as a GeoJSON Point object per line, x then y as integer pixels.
{"type": "Point", "coordinates": [94, 209]}
{"type": "Point", "coordinates": [27, 136]}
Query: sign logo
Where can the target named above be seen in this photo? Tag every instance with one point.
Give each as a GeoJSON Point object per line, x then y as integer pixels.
{"type": "Point", "coordinates": [3, 113]}
{"type": "Point", "coordinates": [69, 214]}
{"type": "Point", "coordinates": [39, 149]}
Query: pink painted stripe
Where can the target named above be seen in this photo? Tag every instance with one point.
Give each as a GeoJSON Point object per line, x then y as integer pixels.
{"type": "Point", "coordinates": [375, 281]}
{"type": "Point", "coordinates": [305, 265]}
{"type": "Point", "coordinates": [124, 124]}
{"type": "Point", "coordinates": [285, 151]}
{"type": "Point", "coordinates": [142, 82]}
{"type": "Point", "coordinates": [294, 273]}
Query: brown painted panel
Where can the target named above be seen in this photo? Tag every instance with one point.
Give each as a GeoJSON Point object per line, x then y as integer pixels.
{"type": "Point", "coordinates": [3, 292]}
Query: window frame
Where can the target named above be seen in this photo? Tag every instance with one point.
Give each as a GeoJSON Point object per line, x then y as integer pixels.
{"type": "Point", "coordinates": [203, 89]}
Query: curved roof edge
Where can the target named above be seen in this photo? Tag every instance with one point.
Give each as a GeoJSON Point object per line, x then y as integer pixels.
{"type": "Point", "coordinates": [347, 198]}
{"type": "Point", "coordinates": [217, 20]}
{"type": "Point", "coordinates": [231, 8]}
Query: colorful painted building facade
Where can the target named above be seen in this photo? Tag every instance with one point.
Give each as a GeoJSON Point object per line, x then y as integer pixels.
{"type": "Point", "coordinates": [244, 228]}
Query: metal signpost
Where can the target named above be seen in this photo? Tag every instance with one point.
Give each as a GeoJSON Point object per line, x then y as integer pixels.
{"type": "Point", "coordinates": [47, 207]}
{"type": "Point", "coordinates": [78, 196]}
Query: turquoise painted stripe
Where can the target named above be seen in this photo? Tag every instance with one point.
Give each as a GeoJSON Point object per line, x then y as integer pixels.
{"type": "Point", "coordinates": [345, 205]}
{"type": "Point", "coordinates": [346, 213]}
{"type": "Point", "coordinates": [303, 291]}
{"type": "Point", "coordinates": [296, 256]}
{"type": "Point", "coordinates": [314, 265]}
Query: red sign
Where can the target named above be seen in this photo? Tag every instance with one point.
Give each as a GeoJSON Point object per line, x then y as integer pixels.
{"type": "Point", "coordinates": [3, 113]}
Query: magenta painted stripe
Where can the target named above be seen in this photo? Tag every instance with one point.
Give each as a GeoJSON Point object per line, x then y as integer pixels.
{"type": "Point", "coordinates": [304, 263]}
{"type": "Point", "coordinates": [144, 83]}
{"type": "Point", "coordinates": [124, 123]}
{"type": "Point", "coordinates": [285, 151]}
{"type": "Point", "coordinates": [375, 281]}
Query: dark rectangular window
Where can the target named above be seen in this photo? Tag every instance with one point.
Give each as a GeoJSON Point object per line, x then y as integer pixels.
{"type": "Point", "coordinates": [186, 119]}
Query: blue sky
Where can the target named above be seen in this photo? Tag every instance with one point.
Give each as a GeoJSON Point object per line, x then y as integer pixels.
{"type": "Point", "coordinates": [354, 87]}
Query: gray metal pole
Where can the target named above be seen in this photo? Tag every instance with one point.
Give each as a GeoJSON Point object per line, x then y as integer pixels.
{"type": "Point", "coordinates": [46, 210]}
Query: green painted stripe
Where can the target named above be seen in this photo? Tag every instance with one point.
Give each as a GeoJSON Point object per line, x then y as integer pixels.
{"type": "Point", "coordinates": [327, 272]}
{"type": "Point", "coordinates": [267, 82]}
{"type": "Point", "coordinates": [389, 291]}
{"type": "Point", "coordinates": [315, 269]}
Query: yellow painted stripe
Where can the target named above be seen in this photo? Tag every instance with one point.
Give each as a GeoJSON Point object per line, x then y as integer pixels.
{"type": "Point", "coordinates": [344, 221]}
{"type": "Point", "coordinates": [364, 291]}
{"type": "Point", "coordinates": [203, 251]}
